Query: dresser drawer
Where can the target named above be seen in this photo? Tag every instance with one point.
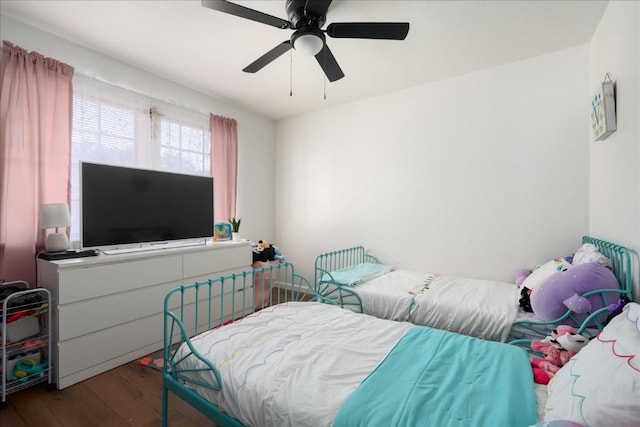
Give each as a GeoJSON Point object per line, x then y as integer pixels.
{"type": "Point", "coordinates": [110, 310]}
{"type": "Point", "coordinates": [86, 351]}
{"type": "Point", "coordinates": [210, 263]}
{"type": "Point", "coordinates": [77, 284]}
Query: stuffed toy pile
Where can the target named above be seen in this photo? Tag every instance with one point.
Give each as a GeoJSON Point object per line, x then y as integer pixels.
{"type": "Point", "coordinates": [553, 288]}
{"type": "Point", "coordinates": [557, 349]}
{"type": "Point", "coordinates": [263, 251]}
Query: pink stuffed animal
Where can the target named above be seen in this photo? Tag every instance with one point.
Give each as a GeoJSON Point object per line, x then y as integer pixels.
{"type": "Point", "coordinates": [558, 348]}
{"type": "Point", "coordinates": [543, 371]}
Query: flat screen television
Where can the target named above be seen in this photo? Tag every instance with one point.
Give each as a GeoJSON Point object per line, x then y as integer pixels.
{"type": "Point", "coordinates": [124, 207]}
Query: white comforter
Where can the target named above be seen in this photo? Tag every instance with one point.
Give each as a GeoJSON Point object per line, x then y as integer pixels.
{"type": "Point", "coordinates": [272, 373]}
{"type": "Point", "coordinates": [481, 308]}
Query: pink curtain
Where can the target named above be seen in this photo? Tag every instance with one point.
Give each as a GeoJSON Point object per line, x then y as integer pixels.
{"type": "Point", "coordinates": [35, 144]}
{"type": "Point", "coordinates": [224, 165]}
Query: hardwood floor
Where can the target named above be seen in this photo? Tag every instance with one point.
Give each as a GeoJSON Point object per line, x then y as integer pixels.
{"type": "Point", "coordinates": [129, 395]}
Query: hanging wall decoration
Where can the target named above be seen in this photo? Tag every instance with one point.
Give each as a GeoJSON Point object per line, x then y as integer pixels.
{"type": "Point", "coordinates": [603, 110]}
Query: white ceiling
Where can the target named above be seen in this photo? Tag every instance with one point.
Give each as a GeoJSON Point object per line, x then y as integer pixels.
{"type": "Point", "coordinates": [207, 50]}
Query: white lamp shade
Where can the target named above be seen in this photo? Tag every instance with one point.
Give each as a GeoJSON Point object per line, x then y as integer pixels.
{"type": "Point", "coordinates": [54, 215]}
{"type": "Point", "coordinates": [308, 44]}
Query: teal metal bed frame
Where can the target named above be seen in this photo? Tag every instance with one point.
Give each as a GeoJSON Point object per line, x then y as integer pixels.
{"type": "Point", "coordinates": [201, 306]}
{"type": "Point", "coordinates": [326, 286]}
{"type": "Point", "coordinates": [328, 262]}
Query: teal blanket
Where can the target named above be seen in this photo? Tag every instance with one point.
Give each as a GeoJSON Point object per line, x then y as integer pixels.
{"type": "Point", "coordinates": [357, 274]}
{"type": "Point", "coordinates": [438, 378]}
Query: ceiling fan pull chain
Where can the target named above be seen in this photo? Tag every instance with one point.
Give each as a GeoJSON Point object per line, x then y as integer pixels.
{"type": "Point", "coordinates": [324, 75]}
{"type": "Point", "coordinates": [291, 73]}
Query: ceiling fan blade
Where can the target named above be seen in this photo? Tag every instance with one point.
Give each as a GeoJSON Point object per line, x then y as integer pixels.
{"type": "Point", "coordinates": [245, 12]}
{"type": "Point", "coordinates": [317, 7]}
{"type": "Point", "coordinates": [329, 64]}
{"type": "Point", "coordinates": [265, 59]}
{"type": "Point", "coordinates": [369, 30]}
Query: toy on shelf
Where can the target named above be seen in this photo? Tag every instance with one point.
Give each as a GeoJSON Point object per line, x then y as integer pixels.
{"type": "Point", "coordinates": [222, 230]}
{"type": "Point", "coordinates": [26, 368]}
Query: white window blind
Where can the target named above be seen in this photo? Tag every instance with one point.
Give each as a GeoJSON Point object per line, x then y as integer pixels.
{"type": "Point", "coordinates": [183, 144]}
{"type": "Point", "coordinates": [112, 125]}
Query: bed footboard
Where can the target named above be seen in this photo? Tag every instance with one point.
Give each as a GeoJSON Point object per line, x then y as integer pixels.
{"type": "Point", "coordinates": [201, 306]}
{"type": "Point", "coordinates": [524, 331]}
{"type": "Point", "coordinates": [327, 287]}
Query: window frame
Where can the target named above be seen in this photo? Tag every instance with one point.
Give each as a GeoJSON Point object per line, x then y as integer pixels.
{"type": "Point", "coordinates": [147, 136]}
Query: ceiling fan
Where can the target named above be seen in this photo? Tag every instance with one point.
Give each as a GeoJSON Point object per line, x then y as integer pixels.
{"type": "Point", "coordinates": [306, 18]}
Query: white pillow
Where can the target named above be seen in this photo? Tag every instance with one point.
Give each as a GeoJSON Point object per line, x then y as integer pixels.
{"type": "Point", "coordinates": [357, 274]}
{"type": "Point", "coordinates": [590, 253]}
{"type": "Point", "coordinates": [600, 385]}
{"type": "Point", "coordinates": [542, 273]}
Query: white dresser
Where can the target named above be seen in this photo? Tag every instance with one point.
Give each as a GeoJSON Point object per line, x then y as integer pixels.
{"type": "Point", "coordinates": [108, 309]}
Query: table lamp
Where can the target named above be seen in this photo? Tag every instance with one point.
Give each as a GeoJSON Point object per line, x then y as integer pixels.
{"type": "Point", "coordinates": [55, 215]}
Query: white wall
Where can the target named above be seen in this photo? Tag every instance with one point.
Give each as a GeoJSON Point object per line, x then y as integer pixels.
{"type": "Point", "coordinates": [614, 184]}
{"type": "Point", "coordinates": [477, 175]}
{"type": "Point", "coordinates": [256, 134]}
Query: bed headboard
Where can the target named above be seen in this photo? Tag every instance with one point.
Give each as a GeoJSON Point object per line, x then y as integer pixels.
{"type": "Point", "coordinates": [329, 262]}
{"type": "Point", "coordinates": [343, 258]}
{"type": "Point", "coordinates": [620, 260]}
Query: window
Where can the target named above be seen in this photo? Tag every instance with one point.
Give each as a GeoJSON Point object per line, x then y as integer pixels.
{"type": "Point", "coordinates": [115, 126]}
{"type": "Point", "coordinates": [183, 146]}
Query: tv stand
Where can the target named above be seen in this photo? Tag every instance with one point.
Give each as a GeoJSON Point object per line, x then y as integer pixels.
{"type": "Point", "coordinates": [108, 309]}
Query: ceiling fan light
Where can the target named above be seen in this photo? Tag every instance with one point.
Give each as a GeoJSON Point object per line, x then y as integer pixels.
{"type": "Point", "coordinates": [308, 44]}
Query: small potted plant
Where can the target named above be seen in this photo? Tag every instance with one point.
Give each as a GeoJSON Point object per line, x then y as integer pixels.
{"type": "Point", "coordinates": [235, 227]}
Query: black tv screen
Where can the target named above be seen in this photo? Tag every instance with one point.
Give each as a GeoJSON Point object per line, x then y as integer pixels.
{"type": "Point", "coordinates": [122, 206]}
